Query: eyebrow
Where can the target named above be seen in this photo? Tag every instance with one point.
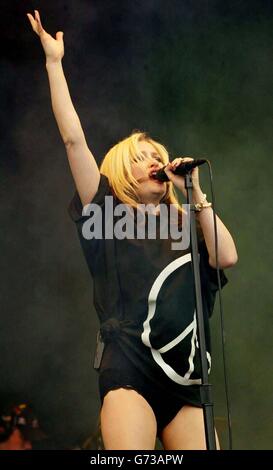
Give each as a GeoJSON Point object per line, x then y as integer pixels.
{"type": "Point", "coordinates": [152, 153]}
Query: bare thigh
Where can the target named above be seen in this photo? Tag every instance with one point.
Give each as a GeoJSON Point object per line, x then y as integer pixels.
{"type": "Point", "coordinates": [186, 431]}
{"type": "Point", "coordinates": [127, 421]}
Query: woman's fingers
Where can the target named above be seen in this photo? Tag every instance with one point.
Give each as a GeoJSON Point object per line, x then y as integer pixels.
{"type": "Point", "coordinates": [169, 168]}
{"type": "Point", "coordinates": [177, 161]}
{"type": "Point", "coordinates": [32, 22]}
{"type": "Point", "coordinates": [38, 19]}
{"type": "Point", "coordinates": [59, 35]}
{"type": "Point", "coordinates": [35, 22]}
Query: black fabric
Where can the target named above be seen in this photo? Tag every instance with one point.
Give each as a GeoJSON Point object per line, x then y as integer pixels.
{"type": "Point", "coordinates": [144, 297]}
{"type": "Point", "coordinates": [163, 402]}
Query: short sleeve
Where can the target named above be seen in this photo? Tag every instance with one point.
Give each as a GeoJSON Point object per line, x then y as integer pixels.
{"type": "Point", "coordinates": [75, 208]}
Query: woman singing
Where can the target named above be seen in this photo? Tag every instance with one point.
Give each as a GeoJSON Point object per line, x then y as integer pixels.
{"type": "Point", "coordinates": [148, 354]}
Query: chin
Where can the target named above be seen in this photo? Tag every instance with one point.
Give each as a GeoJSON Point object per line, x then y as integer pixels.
{"type": "Point", "coordinates": [153, 191]}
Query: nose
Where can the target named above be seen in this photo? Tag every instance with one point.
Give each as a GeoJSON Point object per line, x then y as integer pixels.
{"type": "Point", "coordinates": [155, 165]}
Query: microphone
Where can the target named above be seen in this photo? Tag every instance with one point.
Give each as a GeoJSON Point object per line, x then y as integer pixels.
{"type": "Point", "coordinates": [181, 170]}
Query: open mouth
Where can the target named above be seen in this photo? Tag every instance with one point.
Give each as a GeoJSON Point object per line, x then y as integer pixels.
{"type": "Point", "coordinates": [150, 176]}
{"type": "Point", "coordinates": [153, 174]}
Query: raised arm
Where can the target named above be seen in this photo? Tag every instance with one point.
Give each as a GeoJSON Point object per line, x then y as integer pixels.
{"type": "Point", "coordinates": [82, 163]}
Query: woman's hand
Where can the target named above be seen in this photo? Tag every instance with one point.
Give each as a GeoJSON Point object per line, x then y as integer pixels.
{"type": "Point", "coordinates": [54, 48]}
{"type": "Point", "coordinates": [179, 181]}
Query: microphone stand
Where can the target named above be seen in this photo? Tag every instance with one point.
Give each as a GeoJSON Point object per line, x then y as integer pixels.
{"type": "Point", "coordinates": [205, 389]}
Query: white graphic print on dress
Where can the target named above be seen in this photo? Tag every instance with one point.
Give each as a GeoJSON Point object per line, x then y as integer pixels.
{"type": "Point", "coordinates": [190, 329]}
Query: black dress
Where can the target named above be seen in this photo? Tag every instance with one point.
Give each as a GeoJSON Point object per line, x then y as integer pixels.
{"type": "Point", "coordinates": [144, 298]}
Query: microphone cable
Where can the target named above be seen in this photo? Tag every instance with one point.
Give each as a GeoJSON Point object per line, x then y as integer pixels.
{"type": "Point", "coordinates": [222, 326]}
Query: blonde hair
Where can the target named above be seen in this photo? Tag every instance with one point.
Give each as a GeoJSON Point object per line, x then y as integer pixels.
{"type": "Point", "coordinates": [116, 165]}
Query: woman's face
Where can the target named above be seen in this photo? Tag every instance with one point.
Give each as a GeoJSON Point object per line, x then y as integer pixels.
{"type": "Point", "coordinates": [150, 191]}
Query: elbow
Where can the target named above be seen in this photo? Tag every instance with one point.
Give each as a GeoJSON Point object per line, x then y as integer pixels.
{"type": "Point", "coordinates": [68, 142]}
{"type": "Point", "coordinates": [229, 262]}
{"type": "Point", "coordinates": [224, 262]}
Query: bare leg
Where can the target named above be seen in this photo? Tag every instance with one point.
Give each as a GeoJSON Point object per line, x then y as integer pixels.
{"type": "Point", "coordinates": [127, 421]}
{"type": "Point", "coordinates": [186, 431]}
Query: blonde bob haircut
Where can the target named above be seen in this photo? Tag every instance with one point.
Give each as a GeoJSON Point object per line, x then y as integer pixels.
{"type": "Point", "coordinates": [117, 163]}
